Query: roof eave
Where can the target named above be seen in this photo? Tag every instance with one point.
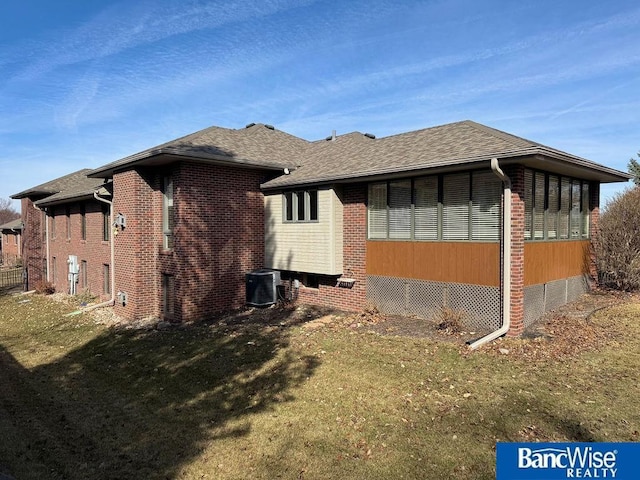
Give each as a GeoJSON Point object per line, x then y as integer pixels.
{"type": "Point", "coordinates": [162, 156]}
{"type": "Point", "coordinates": [45, 202]}
{"type": "Point", "coordinates": [576, 164]}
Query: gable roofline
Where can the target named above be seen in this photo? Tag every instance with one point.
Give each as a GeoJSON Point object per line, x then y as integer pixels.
{"type": "Point", "coordinates": [272, 149]}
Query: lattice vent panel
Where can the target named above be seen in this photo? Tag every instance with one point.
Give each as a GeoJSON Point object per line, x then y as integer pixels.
{"type": "Point", "coordinates": [481, 303]}
{"type": "Point", "coordinates": [424, 299]}
{"type": "Point", "coordinates": [576, 286]}
{"type": "Point", "coordinates": [556, 294]}
{"type": "Point", "coordinates": [533, 303]}
{"type": "Point", "coordinates": [388, 294]}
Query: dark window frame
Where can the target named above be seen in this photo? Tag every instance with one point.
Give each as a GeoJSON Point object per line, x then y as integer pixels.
{"type": "Point", "coordinates": [300, 206]}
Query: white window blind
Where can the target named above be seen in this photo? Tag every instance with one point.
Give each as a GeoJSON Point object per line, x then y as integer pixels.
{"type": "Point", "coordinates": [538, 206]}
{"type": "Point", "coordinates": [565, 206]}
{"type": "Point", "coordinates": [585, 210]}
{"type": "Point", "coordinates": [553, 208]}
{"type": "Point", "coordinates": [486, 190]}
{"type": "Point", "coordinates": [528, 203]}
{"type": "Point", "coordinates": [377, 221]}
{"type": "Point", "coordinates": [455, 207]}
{"type": "Point", "coordinates": [426, 208]}
{"type": "Point", "coordinates": [400, 209]}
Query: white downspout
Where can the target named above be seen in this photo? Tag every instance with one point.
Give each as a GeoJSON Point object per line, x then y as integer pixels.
{"type": "Point", "coordinates": [506, 259]}
{"type": "Point", "coordinates": [46, 235]}
{"type": "Point", "coordinates": [111, 302]}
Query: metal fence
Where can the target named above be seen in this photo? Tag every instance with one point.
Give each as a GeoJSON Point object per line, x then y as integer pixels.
{"type": "Point", "coordinates": [10, 277]}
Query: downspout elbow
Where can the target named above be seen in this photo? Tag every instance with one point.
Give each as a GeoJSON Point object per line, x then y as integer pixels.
{"type": "Point", "coordinates": [506, 262]}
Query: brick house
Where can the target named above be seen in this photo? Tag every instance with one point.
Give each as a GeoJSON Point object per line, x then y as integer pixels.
{"type": "Point", "coordinates": [11, 242]}
{"type": "Point", "coordinates": [411, 223]}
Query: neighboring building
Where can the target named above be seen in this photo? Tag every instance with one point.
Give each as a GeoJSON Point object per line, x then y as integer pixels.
{"type": "Point", "coordinates": [65, 217]}
{"type": "Point", "coordinates": [410, 223]}
{"type": "Point", "coordinates": [11, 242]}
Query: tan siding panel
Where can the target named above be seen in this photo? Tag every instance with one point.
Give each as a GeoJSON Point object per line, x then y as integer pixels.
{"type": "Point", "coordinates": [548, 261]}
{"type": "Point", "coordinates": [461, 262]}
{"type": "Point", "coordinates": [306, 247]}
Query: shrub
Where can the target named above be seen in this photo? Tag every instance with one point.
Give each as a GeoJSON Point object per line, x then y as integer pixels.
{"type": "Point", "coordinates": [45, 288]}
{"type": "Point", "coordinates": [617, 244]}
{"type": "Point", "coordinates": [451, 320]}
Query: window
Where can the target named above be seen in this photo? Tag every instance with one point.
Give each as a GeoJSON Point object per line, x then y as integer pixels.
{"type": "Point", "coordinates": [301, 206]}
{"type": "Point", "coordinates": [425, 208]}
{"type": "Point", "coordinates": [84, 283]}
{"type": "Point", "coordinates": [106, 279]}
{"type": "Point", "coordinates": [538, 205]}
{"type": "Point", "coordinates": [106, 223]}
{"type": "Point", "coordinates": [585, 210]}
{"type": "Point", "coordinates": [53, 223]}
{"type": "Point", "coordinates": [377, 211]}
{"type": "Point", "coordinates": [168, 295]}
{"type": "Point", "coordinates": [83, 222]}
{"type": "Point", "coordinates": [455, 207]}
{"type": "Point", "coordinates": [553, 207]}
{"type": "Point", "coordinates": [461, 206]}
{"type": "Point", "coordinates": [485, 210]}
{"type": "Point", "coordinates": [400, 209]}
{"type": "Point", "coordinates": [556, 207]}
{"type": "Point", "coordinates": [168, 220]}
{"type": "Point", "coordinates": [67, 213]}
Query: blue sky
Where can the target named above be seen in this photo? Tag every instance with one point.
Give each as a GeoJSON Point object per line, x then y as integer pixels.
{"type": "Point", "coordinates": [86, 82]}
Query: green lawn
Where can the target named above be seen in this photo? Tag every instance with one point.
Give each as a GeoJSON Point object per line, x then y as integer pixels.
{"type": "Point", "coordinates": [79, 400]}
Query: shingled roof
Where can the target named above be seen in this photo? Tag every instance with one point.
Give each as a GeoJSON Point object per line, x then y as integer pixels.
{"type": "Point", "coordinates": [13, 225]}
{"type": "Point", "coordinates": [356, 156]}
{"type": "Point", "coordinates": [74, 186]}
{"type": "Point", "coordinates": [255, 146]}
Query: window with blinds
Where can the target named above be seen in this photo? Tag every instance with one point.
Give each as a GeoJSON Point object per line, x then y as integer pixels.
{"type": "Point", "coordinates": [538, 206]}
{"type": "Point", "coordinates": [426, 208]}
{"type": "Point", "coordinates": [555, 207]}
{"type": "Point", "coordinates": [486, 189]}
{"type": "Point", "coordinates": [585, 210]}
{"type": "Point", "coordinates": [455, 207]}
{"type": "Point", "coordinates": [377, 211]}
{"type": "Point", "coordinates": [400, 209]}
{"type": "Point", "coordinates": [576, 205]}
{"type": "Point", "coordinates": [528, 203]}
{"type": "Point", "coordinates": [461, 206]}
{"type": "Point", "coordinates": [565, 206]}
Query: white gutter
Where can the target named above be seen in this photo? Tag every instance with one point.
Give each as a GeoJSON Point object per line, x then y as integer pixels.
{"type": "Point", "coordinates": [111, 302]}
{"type": "Point", "coordinates": [506, 262]}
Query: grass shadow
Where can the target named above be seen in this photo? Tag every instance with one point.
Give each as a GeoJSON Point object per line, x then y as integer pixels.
{"type": "Point", "coordinates": [141, 404]}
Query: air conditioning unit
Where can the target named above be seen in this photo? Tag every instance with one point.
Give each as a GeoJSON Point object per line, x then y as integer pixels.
{"type": "Point", "coordinates": [262, 287]}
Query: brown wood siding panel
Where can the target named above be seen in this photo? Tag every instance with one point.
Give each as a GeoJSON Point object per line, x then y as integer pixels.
{"type": "Point", "coordinates": [461, 262]}
{"type": "Point", "coordinates": [548, 261]}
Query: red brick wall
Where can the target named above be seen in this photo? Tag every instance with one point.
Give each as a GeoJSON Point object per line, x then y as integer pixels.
{"type": "Point", "coordinates": [516, 173]}
{"type": "Point", "coordinates": [218, 237]}
{"type": "Point", "coordinates": [10, 246]}
{"type": "Point", "coordinates": [354, 257]}
{"type": "Point", "coordinates": [138, 197]}
{"type": "Point", "coordinates": [33, 251]}
{"type": "Point", "coordinates": [93, 250]}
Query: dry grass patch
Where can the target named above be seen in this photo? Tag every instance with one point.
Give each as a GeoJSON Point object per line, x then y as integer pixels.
{"type": "Point", "coordinates": [255, 395]}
